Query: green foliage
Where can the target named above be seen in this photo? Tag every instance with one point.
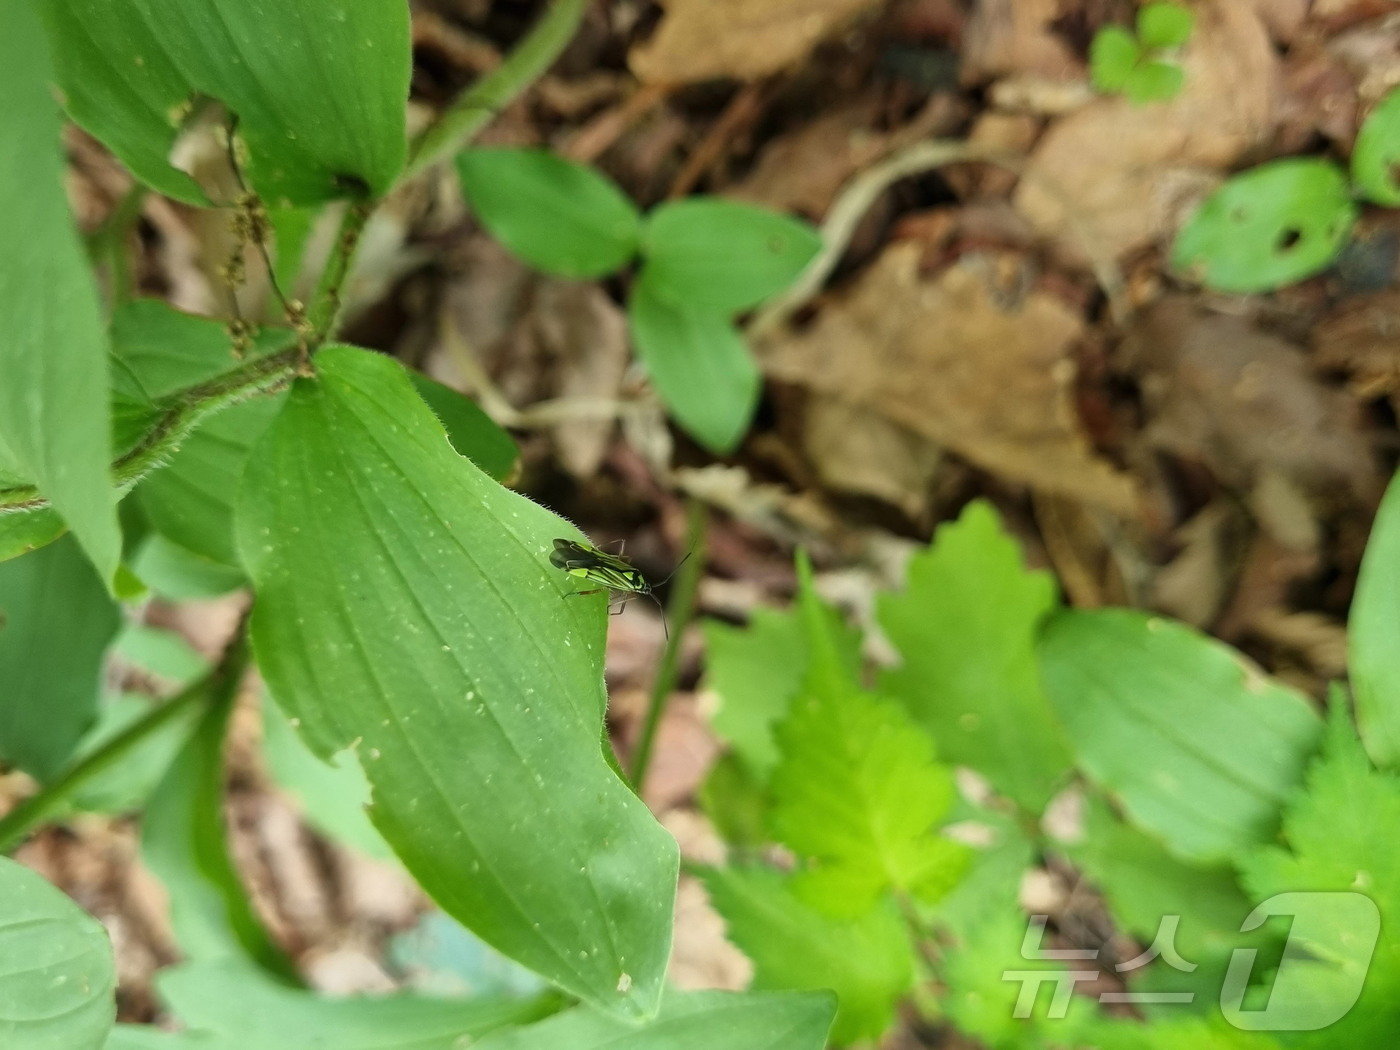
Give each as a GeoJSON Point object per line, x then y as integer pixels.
{"type": "Point", "coordinates": [1148, 703]}
{"type": "Point", "coordinates": [703, 260]}
{"type": "Point", "coordinates": [135, 73]}
{"type": "Point", "coordinates": [688, 1021]}
{"type": "Point", "coordinates": [1375, 162]}
{"type": "Point", "coordinates": [471, 431]}
{"type": "Point", "coordinates": [1373, 636]}
{"type": "Point", "coordinates": [58, 977]}
{"type": "Point", "coordinates": [56, 622]}
{"type": "Point", "coordinates": [54, 425]}
{"type": "Point", "coordinates": [1271, 225]}
{"type": "Point", "coordinates": [1121, 63]}
{"type": "Point", "coordinates": [560, 217]}
{"type": "Point", "coordinates": [179, 574]}
{"type": "Point", "coordinates": [867, 961]}
{"type": "Point", "coordinates": [700, 366]}
{"type": "Point", "coordinates": [965, 628]}
{"type": "Point", "coordinates": [406, 608]}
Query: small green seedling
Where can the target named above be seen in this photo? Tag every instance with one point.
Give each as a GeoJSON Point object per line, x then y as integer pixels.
{"type": "Point", "coordinates": [611, 572]}
{"type": "Point", "coordinates": [1139, 65]}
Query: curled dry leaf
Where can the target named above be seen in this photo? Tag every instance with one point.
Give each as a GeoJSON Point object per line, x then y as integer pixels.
{"type": "Point", "coordinates": [1016, 38]}
{"type": "Point", "coordinates": [744, 39]}
{"type": "Point", "coordinates": [952, 360]}
{"type": "Point", "coordinates": [1113, 177]}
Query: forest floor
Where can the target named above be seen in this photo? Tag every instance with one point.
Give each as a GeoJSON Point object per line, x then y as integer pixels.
{"type": "Point", "coordinates": [1008, 330]}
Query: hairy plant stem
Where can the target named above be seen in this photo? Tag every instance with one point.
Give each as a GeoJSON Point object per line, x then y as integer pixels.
{"type": "Point", "coordinates": [679, 611]}
{"type": "Point", "coordinates": [476, 107]}
{"type": "Point", "coordinates": [218, 684]}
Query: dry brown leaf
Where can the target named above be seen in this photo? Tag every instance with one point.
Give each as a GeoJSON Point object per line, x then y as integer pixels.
{"type": "Point", "coordinates": [1245, 403]}
{"type": "Point", "coordinates": [1363, 338]}
{"type": "Point", "coordinates": [1015, 37]}
{"type": "Point", "coordinates": [744, 39]}
{"type": "Point", "coordinates": [952, 360]}
{"type": "Point", "coordinates": [1114, 176]}
{"type": "Point", "coordinates": [857, 450]}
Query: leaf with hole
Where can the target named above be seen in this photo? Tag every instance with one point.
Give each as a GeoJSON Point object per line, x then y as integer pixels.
{"type": "Point", "coordinates": [406, 609]}
{"type": "Point", "coordinates": [58, 981]}
{"type": "Point", "coordinates": [1375, 162]}
{"type": "Point", "coordinates": [1270, 226]}
{"type": "Point", "coordinates": [318, 88]}
{"type": "Point", "coordinates": [560, 217]}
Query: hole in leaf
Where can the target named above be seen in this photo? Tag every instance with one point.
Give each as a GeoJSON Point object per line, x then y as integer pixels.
{"type": "Point", "coordinates": [1288, 238]}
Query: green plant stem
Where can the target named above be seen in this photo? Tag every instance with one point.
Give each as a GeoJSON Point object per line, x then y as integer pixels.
{"type": "Point", "coordinates": [217, 684]}
{"type": "Point", "coordinates": [480, 103]}
{"type": "Point", "coordinates": [179, 414]}
{"type": "Point", "coordinates": [679, 610]}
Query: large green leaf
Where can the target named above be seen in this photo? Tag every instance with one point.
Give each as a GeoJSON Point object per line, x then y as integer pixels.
{"type": "Point", "coordinates": [965, 629]}
{"type": "Point", "coordinates": [318, 87]}
{"type": "Point", "coordinates": [1373, 633]}
{"type": "Point", "coordinates": [721, 256]}
{"type": "Point", "coordinates": [57, 975]}
{"type": "Point", "coordinates": [406, 608]}
{"type": "Point", "coordinates": [558, 216]}
{"type": "Point", "coordinates": [56, 621]}
{"type": "Point", "coordinates": [699, 364]}
{"type": "Point", "coordinates": [1201, 749]}
{"type": "Point", "coordinates": [227, 1006]}
{"type": "Point", "coordinates": [1375, 163]}
{"type": "Point", "coordinates": [867, 961]}
{"type": "Point", "coordinates": [688, 1021]}
{"type": "Point", "coordinates": [54, 427]}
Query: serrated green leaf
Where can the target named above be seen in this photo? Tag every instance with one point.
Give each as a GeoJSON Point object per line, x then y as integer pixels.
{"type": "Point", "coordinates": [756, 670]}
{"type": "Point", "coordinates": [54, 413]}
{"type": "Point", "coordinates": [56, 621]}
{"type": "Point", "coordinates": [1373, 635]}
{"type": "Point", "coordinates": [183, 843]}
{"type": "Point", "coordinates": [1165, 24]}
{"type": "Point", "coordinates": [689, 1021]}
{"type": "Point", "coordinates": [1336, 851]}
{"type": "Point", "coordinates": [472, 432]}
{"type": "Point", "coordinates": [700, 365]}
{"type": "Point", "coordinates": [965, 627]}
{"type": "Point", "coordinates": [1112, 57]}
{"type": "Point", "coordinates": [1154, 82]}
{"type": "Point", "coordinates": [1270, 226]}
{"type": "Point", "coordinates": [318, 87]}
{"type": "Point", "coordinates": [1149, 703]}
{"type": "Point", "coordinates": [1375, 162]}
{"type": "Point", "coordinates": [58, 977]}
{"type": "Point", "coordinates": [867, 961]}
{"type": "Point", "coordinates": [560, 217]}
{"type": "Point", "coordinates": [710, 255]}
{"type": "Point", "coordinates": [736, 802]}
{"type": "Point", "coordinates": [406, 607]}
{"type": "Point", "coordinates": [858, 791]}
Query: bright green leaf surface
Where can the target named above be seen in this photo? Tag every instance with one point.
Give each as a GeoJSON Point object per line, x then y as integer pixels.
{"type": "Point", "coordinates": [868, 961]}
{"type": "Point", "coordinates": [858, 790]}
{"type": "Point", "coordinates": [160, 652]}
{"type": "Point", "coordinates": [756, 670]}
{"type": "Point", "coordinates": [57, 975]}
{"type": "Point", "coordinates": [406, 607]}
{"type": "Point", "coordinates": [1150, 705]}
{"type": "Point", "coordinates": [1154, 82]}
{"type": "Point", "coordinates": [1375, 162]}
{"type": "Point", "coordinates": [689, 1021]}
{"type": "Point", "coordinates": [1165, 24]}
{"type": "Point", "coordinates": [965, 629]}
{"type": "Point", "coordinates": [713, 255]}
{"type": "Point", "coordinates": [179, 574]}
{"type": "Point", "coordinates": [1112, 57]}
{"type": "Point", "coordinates": [1270, 226]}
{"type": "Point", "coordinates": [28, 531]}
{"type": "Point", "coordinates": [53, 374]}
{"type": "Point", "coordinates": [736, 802]}
{"type": "Point", "coordinates": [560, 217]}
{"type": "Point", "coordinates": [1336, 844]}
{"type": "Point", "coordinates": [699, 364]}
{"type": "Point", "coordinates": [56, 621]}
{"type": "Point", "coordinates": [472, 432]}
{"type": "Point", "coordinates": [1373, 634]}
{"type": "Point", "coordinates": [183, 843]}
{"type": "Point", "coordinates": [318, 87]}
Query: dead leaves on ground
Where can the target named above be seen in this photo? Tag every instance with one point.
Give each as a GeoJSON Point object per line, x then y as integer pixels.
{"type": "Point", "coordinates": [983, 372]}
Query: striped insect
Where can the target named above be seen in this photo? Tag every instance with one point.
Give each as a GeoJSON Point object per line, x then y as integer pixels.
{"type": "Point", "coordinates": [611, 572]}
